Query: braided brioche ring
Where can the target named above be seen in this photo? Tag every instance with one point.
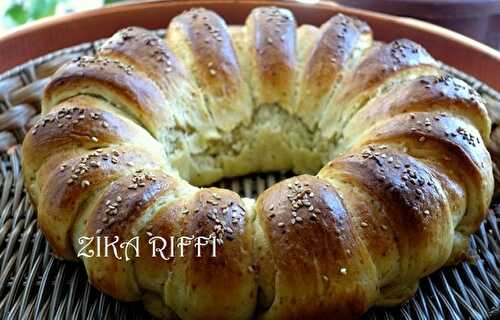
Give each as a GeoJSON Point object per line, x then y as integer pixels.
{"type": "Point", "coordinates": [411, 178]}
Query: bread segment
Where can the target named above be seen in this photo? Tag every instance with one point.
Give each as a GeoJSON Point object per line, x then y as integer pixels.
{"type": "Point", "coordinates": [454, 147]}
{"type": "Point", "coordinates": [341, 43]}
{"type": "Point", "coordinates": [438, 94]}
{"type": "Point", "coordinates": [119, 84]}
{"type": "Point", "coordinates": [145, 51]}
{"type": "Point", "coordinates": [384, 66]}
{"type": "Point", "coordinates": [321, 266]}
{"type": "Point", "coordinates": [271, 54]}
{"type": "Point", "coordinates": [407, 215]}
{"type": "Point", "coordinates": [201, 40]}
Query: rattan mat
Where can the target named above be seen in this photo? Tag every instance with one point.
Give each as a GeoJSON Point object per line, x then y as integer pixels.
{"type": "Point", "coordinates": [35, 285]}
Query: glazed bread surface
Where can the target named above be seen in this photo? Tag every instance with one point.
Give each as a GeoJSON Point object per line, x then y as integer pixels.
{"type": "Point", "coordinates": [393, 172]}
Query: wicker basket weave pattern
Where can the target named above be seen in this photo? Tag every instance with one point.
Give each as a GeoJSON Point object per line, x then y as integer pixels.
{"type": "Point", "coordinates": [35, 285]}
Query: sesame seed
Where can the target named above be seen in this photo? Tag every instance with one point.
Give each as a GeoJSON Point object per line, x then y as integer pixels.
{"type": "Point", "coordinates": [85, 183]}
{"type": "Point", "coordinates": [364, 224]}
{"type": "Point", "coordinates": [343, 271]}
{"type": "Point", "coordinates": [94, 139]}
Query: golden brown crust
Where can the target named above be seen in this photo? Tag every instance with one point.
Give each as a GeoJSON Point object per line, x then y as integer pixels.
{"type": "Point", "coordinates": [74, 127]}
{"type": "Point", "coordinates": [413, 198]}
{"type": "Point", "coordinates": [116, 215]}
{"type": "Point", "coordinates": [149, 54]}
{"type": "Point", "coordinates": [387, 60]}
{"type": "Point", "coordinates": [271, 33]}
{"type": "Point", "coordinates": [146, 51]}
{"type": "Point", "coordinates": [121, 84]}
{"type": "Point", "coordinates": [453, 145]}
{"type": "Point", "coordinates": [68, 184]}
{"type": "Point", "coordinates": [201, 39]}
{"type": "Point", "coordinates": [78, 123]}
{"type": "Point", "coordinates": [383, 66]}
{"type": "Point", "coordinates": [308, 228]}
{"type": "Point", "coordinates": [137, 191]}
{"type": "Point", "coordinates": [335, 48]}
{"type": "Point", "coordinates": [414, 202]}
{"type": "Point", "coordinates": [226, 280]}
{"type": "Point", "coordinates": [425, 94]}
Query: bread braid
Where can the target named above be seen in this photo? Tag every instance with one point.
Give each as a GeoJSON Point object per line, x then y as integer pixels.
{"type": "Point", "coordinates": [124, 131]}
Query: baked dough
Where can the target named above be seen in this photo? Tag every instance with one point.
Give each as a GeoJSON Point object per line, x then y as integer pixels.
{"type": "Point", "coordinates": [128, 137]}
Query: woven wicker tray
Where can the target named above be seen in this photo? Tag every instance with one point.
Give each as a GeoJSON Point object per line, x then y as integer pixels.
{"type": "Point", "coordinates": [35, 285]}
